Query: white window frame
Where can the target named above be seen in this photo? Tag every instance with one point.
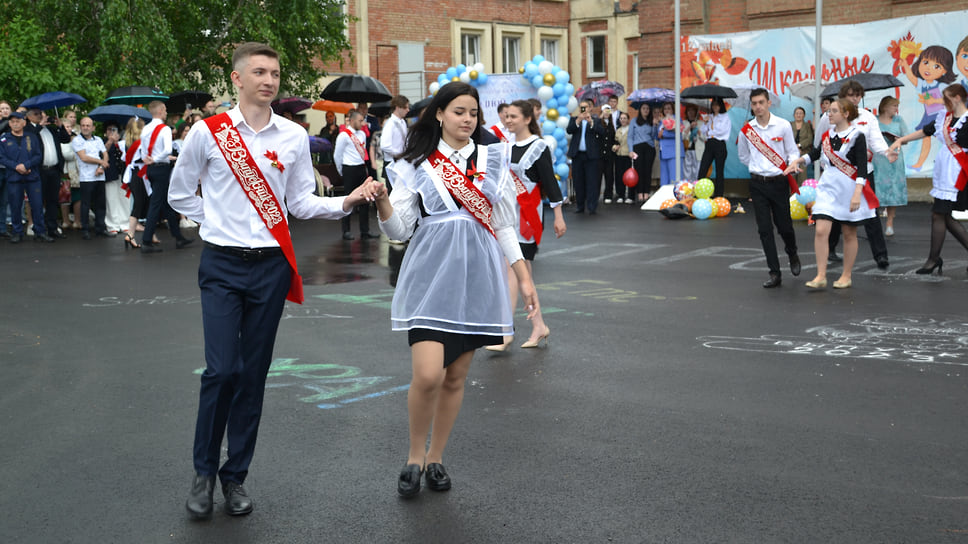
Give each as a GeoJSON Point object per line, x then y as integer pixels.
{"type": "Point", "coordinates": [590, 40]}
{"type": "Point", "coordinates": [555, 45]}
{"type": "Point", "coordinates": [511, 52]}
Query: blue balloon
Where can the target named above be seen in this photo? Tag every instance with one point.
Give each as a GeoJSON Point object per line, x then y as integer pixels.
{"type": "Point", "coordinates": [548, 127]}
{"type": "Point", "coordinates": [562, 171]}
{"type": "Point", "coordinates": [551, 104]}
{"type": "Point", "coordinates": [451, 73]}
{"type": "Point", "coordinates": [559, 152]}
{"type": "Point", "coordinates": [569, 89]}
{"type": "Point", "coordinates": [481, 78]}
{"type": "Point", "coordinates": [555, 69]}
{"type": "Point", "coordinates": [562, 77]}
{"type": "Point", "coordinates": [537, 82]}
{"type": "Point", "coordinates": [538, 59]}
{"type": "Point", "coordinates": [559, 89]}
{"type": "Point", "coordinates": [702, 208]}
{"type": "Point", "coordinates": [461, 69]}
{"type": "Point", "coordinates": [807, 195]}
{"type": "Point", "coordinates": [559, 134]}
{"type": "Point", "coordinates": [530, 70]}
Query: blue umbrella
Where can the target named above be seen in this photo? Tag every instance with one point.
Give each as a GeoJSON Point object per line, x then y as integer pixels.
{"type": "Point", "coordinates": [652, 95]}
{"type": "Point", "coordinates": [319, 145]}
{"type": "Point", "coordinates": [119, 113]}
{"type": "Point", "coordinates": [55, 99]}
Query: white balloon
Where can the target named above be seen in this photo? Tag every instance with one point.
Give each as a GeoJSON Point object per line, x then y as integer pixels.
{"type": "Point", "coordinates": [572, 104]}
{"type": "Point", "coordinates": [479, 67]}
{"type": "Point", "coordinates": [550, 140]}
{"type": "Point", "coordinates": [562, 121]}
{"type": "Point", "coordinates": [545, 93]}
{"type": "Point", "coordinates": [545, 67]}
{"type": "Point", "coordinates": [465, 76]}
{"type": "Point", "coordinates": [434, 87]}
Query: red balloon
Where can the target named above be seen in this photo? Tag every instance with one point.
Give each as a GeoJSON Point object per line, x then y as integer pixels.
{"type": "Point", "coordinates": [630, 178]}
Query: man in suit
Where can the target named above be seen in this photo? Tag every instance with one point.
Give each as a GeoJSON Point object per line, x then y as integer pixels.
{"type": "Point", "coordinates": [50, 169]}
{"type": "Point", "coordinates": [585, 152]}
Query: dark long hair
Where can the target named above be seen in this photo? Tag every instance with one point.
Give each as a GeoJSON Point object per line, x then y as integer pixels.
{"type": "Point", "coordinates": [527, 110]}
{"type": "Point", "coordinates": [639, 120]}
{"type": "Point", "coordinates": [424, 135]}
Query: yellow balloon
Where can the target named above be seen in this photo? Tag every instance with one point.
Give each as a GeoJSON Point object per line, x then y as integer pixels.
{"type": "Point", "coordinates": [521, 70]}
{"type": "Point", "coordinates": [473, 74]}
{"type": "Point", "coordinates": [549, 79]}
{"type": "Point", "coordinates": [552, 114]}
{"type": "Point", "coordinates": [455, 79]}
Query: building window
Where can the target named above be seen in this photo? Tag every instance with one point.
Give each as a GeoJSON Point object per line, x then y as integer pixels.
{"type": "Point", "coordinates": [470, 48]}
{"type": "Point", "coordinates": [512, 53]}
{"type": "Point", "coordinates": [549, 50]}
{"type": "Point", "coordinates": [596, 56]}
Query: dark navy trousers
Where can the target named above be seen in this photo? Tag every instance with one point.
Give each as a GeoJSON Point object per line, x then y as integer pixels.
{"type": "Point", "coordinates": [242, 302]}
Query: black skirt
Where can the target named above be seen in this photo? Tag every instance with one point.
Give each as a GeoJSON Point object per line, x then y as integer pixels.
{"type": "Point", "coordinates": [455, 344]}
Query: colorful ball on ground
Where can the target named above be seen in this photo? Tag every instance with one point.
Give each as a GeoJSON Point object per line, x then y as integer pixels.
{"type": "Point", "coordinates": [682, 190]}
{"type": "Point", "coordinates": [702, 208]}
{"type": "Point", "coordinates": [723, 207]}
{"type": "Point", "coordinates": [668, 203]}
{"type": "Point", "coordinates": [704, 188]}
{"type": "Point", "coordinates": [807, 195]}
{"type": "Point", "coordinates": [810, 183]}
{"type": "Point", "coordinates": [798, 212]}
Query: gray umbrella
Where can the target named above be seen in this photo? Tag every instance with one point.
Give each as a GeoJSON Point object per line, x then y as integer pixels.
{"type": "Point", "coordinates": [870, 82]}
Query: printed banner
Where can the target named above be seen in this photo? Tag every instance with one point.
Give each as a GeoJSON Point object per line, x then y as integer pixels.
{"type": "Point", "coordinates": [926, 53]}
{"type": "Point", "coordinates": [502, 88]}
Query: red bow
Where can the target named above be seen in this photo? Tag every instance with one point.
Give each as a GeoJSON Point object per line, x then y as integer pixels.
{"type": "Point", "coordinates": [473, 174]}
{"type": "Point", "coordinates": [272, 156]}
{"type": "Point", "coordinates": [777, 139]}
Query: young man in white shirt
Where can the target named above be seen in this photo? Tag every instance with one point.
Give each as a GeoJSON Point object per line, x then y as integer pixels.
{"type": "Point", "coordinates": [352, 163]}
{"type": "Point", "coordinates": [256, 169]}
{"type": "Point", "coordinates": [156, 148]}
{"type": "Point", "coordinates": [394, 134]}
{"type": "Point", "coordinates": [769, 187]}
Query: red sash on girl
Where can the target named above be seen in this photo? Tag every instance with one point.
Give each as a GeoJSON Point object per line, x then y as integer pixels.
{"type": "Point", "coordinates": [463, 189]}
{"type": "Point", "coordinates": [531, 226]}
{"type": "Point", "coordinates": [958, 153]}
{"type": "Point", "coordinates": [497, 132]}
{"type": "Point", "coordinates": [360, 148]}
{"type": "Point", "coordinates": [253, 182]}
{"type": "Point", "coordinates": [128, 157]}
{"type": "Point", "coordinates": [151, 147]}
{"type": "Point", "coordinates": [848, 170]}
{"type": "Point", "coordinates": [770, 154]}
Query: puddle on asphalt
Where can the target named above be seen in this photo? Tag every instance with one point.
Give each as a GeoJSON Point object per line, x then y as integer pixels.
{"type": "Point", "coordinates": [352, 261]}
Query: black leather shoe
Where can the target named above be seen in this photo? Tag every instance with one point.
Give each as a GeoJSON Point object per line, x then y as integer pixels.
{"type": "Point", "coordinates": [150, 248]}
{"type": "Point", "coordinates": [16, 238]}
{"type": "Point", "coordinates": [408, 484]}
{"type": "Point", "coordinates": [59, 234]}
{"type": "Point", "coordinates": [795, 264]}
{"type": "Point", "coordinates": [370, 235]}
{"type": "Point", "coordinates": [237, 502]}
{"type": "Point", "coordinates": [437, 478]}
{"type": "Point", "coordinates": [834, 258]}
{"type": "Point", "coordinates": [199, 503]}
{"type": "Point", "coordinates": [43, 238]}
{"type": "Point", "coordinates": [183, 243]}
{"type": "Point", "coordinates": [86, 235]}
{"type": "Point", "coordinates": [347, 236]}
{"type": "Point", "coordinates": [774, 281]}
{"type": "Point", "coordinates": [883, 264]}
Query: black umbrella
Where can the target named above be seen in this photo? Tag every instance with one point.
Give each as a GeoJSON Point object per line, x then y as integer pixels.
{"type": "Point", "coordinates": [356, 88]}
{"type": "Point", "coordinates": [135, 95]}
{"type": "Point", "coordinates": [119, 113]}
{"type": "Point", "coordinates": [380, 109]}
{"type": "Point", "coordinates": [870, 82]}
{"type": "Point", "coordinates": [182, 100]}
{"type": "Point", "coordinates": [708, 91]}
{"type": "Point", "coordinates": [417, 107]}
{"type": "Point", "coordinates": [291, 104]}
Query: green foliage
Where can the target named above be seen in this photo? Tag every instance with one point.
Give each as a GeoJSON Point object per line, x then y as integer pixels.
{"type": "Point", "coordinates": [90, 47]}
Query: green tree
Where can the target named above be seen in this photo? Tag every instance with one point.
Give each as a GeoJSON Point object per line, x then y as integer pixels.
{"type": "Point", "coordinates": [171, 45]}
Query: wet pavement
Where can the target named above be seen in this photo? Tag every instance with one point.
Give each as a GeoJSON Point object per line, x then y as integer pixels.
{"type": "Point", "coordinates": [678, 401]}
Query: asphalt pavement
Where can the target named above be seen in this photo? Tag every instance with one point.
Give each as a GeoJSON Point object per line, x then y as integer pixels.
{"type": "Point", "coordinates": [677, 401]}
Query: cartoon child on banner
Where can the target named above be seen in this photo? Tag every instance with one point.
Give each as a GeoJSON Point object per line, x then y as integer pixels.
{"type": "Point", "coordinates": [931, 73]}
{"type": "Point", "coordinates": [961, 61]}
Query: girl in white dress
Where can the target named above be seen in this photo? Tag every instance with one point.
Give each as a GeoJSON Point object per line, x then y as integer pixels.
{"type": "Point", "coordinates": [454, 200]}
{"type": "Point", "coordinates": [843, 192]}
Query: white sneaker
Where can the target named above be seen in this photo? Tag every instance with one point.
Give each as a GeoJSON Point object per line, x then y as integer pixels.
{"type": "Point", "coordinates": [608, 200]}
{"type": "Point", "coordinates": [889, 231]}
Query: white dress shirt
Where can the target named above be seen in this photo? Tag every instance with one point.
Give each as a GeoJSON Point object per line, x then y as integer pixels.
{"type": "Point", "coordinates": [393, 137]}
{"type": "Point", "coordinates": [92, 148]}
{"type": "Point", "coordinates": [225, 214]}
{"type": "Point", "coordinates": [346, 153]}
{"type": "Point", "coordinates": [778, 134]}
{"type": "Point", "coordinates": [717, 127]}
{"type": "Point", "coordinates": [867, 123]}
{"type": "Point", "coordinates": [162, 148]}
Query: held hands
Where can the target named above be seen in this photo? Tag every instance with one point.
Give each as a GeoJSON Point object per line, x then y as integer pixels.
{"type": "Point", "coordinates": [891, 155]}
{"type": "Point", "coordinates": [793, 167]}
{"type": "Point", "coordinates": [370, 191]}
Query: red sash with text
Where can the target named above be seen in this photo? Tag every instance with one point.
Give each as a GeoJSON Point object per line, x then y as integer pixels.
{"type": "Point", "coordinates": [151, 146]}
{"type": "Point", "coordinates": [463, 189]}
{"type": "Point", "coordinates": [360, 148]}
{"type": "Point", "coordinates": [497, 132]}
{"type": "Point", "coordinates": [253, 182]}
{"type": "Point", "coordinates": [128, 157]}
{"type": "Point", "coordinates": [770, 154]}
{"type": "Point", "coordinates": [848, 170]}
{"type": "Point", "coordinates": [958, 153]}
{"type": "Point", "coordinates": [528, 202]}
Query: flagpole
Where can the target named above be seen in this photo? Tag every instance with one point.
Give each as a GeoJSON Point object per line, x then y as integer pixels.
{"type": "Point", "coordinates": [818, 65]}
{"type": "Point", "coordinates": [678, 82]}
